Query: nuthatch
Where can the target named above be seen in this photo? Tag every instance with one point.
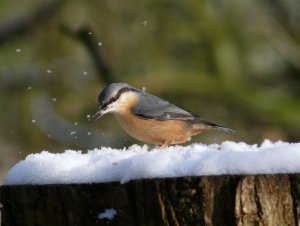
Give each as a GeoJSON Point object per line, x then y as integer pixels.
{"type": "Point", "coordinates": [149, 118]}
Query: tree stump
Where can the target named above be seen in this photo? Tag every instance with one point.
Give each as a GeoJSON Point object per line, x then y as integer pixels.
{"type": "Point", "coordinates": [213, 200]}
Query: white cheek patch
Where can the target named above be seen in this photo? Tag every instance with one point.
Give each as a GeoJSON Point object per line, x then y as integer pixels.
{"type": "Point", "coordinates": [112, 107]}
{"type": "Point", "coordinates": [120, 104]}
{"type": "Point", "coordinates": [123, 98]}
{"type": "Point", "coordinates": [115, 106]}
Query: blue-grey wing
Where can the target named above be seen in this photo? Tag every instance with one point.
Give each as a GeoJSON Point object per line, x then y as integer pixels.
{"type": "Point", "coordinates": [152, 107]}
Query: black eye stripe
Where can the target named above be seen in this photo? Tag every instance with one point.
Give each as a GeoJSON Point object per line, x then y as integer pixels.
{"type": "Point", "coordinates": [103, 106]}
{"type": "Point", "coordinates": [113, 99]}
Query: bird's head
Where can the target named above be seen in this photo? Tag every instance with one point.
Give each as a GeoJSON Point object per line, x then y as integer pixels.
{"type": "Point", "coordinates": [113, 98]}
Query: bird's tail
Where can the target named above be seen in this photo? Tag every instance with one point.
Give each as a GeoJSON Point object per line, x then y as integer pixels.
{"type": "Point", "coordinates": [228, 130]}
{"type": "Point", "coordinates": [215, 126]}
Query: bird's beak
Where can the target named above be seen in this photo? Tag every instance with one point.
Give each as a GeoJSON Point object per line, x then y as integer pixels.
{"type": "Point", "coordinates": [100, 111]}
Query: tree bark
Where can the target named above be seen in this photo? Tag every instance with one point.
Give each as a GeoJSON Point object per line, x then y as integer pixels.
{"type": "Point", "coordinates": [213, 200]}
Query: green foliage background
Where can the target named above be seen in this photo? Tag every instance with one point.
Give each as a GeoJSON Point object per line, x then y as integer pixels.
{"type": "Point", "coordinates": [232, 62]}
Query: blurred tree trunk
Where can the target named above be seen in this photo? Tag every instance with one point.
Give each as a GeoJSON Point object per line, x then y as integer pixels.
{"type": "Point", "coordinates": [218, 200]}
{"type": "Point", "coordinates": [20, 25]}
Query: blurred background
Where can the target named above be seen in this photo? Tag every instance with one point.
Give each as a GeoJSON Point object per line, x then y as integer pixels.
{"type": "Point", "coordinates": [236, 63]}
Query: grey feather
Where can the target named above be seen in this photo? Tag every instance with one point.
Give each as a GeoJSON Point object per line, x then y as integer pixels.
{"type": "Point", "coordinates": [152, 107]}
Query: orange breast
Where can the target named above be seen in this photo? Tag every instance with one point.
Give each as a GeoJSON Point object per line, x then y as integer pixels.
{"type": "Point", "coordinates": [154, 131]}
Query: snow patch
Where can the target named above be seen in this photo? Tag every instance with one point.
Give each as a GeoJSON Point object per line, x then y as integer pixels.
{"type": "Point", "coordinates": [137, 162]}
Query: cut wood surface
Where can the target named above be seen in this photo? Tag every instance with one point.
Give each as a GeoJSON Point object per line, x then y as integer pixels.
{"type": "Point", "coordinates": [211, 200]}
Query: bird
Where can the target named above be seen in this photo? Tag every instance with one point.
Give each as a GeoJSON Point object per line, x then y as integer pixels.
{"type": "Point", "coordinates": [149, 118]}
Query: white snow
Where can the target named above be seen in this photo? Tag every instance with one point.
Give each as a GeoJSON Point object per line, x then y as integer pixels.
{"type": "Point", "coordinates": [107, 214]}
{"type": "Point", "coordinates": [136, 162]}
{"type": "Point", "coordinates": [72, 133]}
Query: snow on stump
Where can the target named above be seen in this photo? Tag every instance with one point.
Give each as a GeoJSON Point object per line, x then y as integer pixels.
{"type": "Point", "coordinates": [227, 184]}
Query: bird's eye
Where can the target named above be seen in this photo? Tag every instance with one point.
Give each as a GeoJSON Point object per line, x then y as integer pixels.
{"type": "Point", "coordinates": [114, 99]}
{"type": "Point", "coordinates": [104, 105]}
